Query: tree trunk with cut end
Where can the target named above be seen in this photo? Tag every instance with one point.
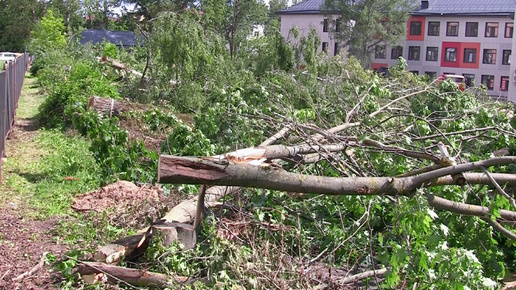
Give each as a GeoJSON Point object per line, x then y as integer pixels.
{"type": "Point", "coordinates": [106, 106]}
{"type": "Point", "coordinates": [112, 108]}
{"type": "Point", "coordinates": [93, 272]}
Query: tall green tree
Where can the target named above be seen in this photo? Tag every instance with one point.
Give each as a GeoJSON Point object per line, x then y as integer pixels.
{"type": "Point", "coordinates": [362, 24]}
{"type": "Point", "coordinates": [71, 12]}
{"type": "Point", "coordinates": [48, 34]}
{"type": "Point", "coordinates": [151, 8]}
{"type": "Point", "coordinates": [17, 19]}
{"type": "Point", "coordinates": [235, 18]}
{"type": "Point", "coordinates": [273, 22]}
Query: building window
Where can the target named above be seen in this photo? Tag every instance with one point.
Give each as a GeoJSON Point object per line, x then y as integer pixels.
{"type": "Point", "coordinates": [488, 81]}
{"type": "Point", "coordinates": [336, 48]}
{"type": "Point", "coordinates": [396, 52]}
{"type": "Point", "coordinates": [470, 55]}
{"type": "Point", "coordinates": [416, 72]}
{"type": "Point", "coordinates": [325, 47]}
{"type": "Point", "coordinates": [471, 29]}
{"type": "Point", "coordinates": [452, 29]}
{"type": "Point", "coordinates": [325, 25]}
{"type": "Point", "coordinates": [379, 52]}
{"type": "Point", "coordinates": [433, 28]}
{"type": "Point", "coordinates": [451, 54]}
{"type": "Point", "coordinates": [489, 56]}
{"type": "Point", "coordinates": [337, 25]}
{"type": "Point", "coordinates": [506, 56]}
{"type": "Point", "coordinates": [432, 53]}
{"type": "Point", "coordinates": [469, 79]}
{"type": "Point", "coordinates": [492, 29]}
{"type": "Point", "coordinates": [431, 74]}
{"type": "Point", "coordinates": [509, 29]}
{"type": "Point", "coordinates": [414, 52]}
{"type": "Point", "coordinates": [504, 84]}
{"type": "Point", "coordinates": [415, 27]}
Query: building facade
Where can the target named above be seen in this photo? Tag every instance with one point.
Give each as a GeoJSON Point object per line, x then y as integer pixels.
{"type": "Point", "coordinates": [305, 16]}
{"type": "Point", "coordinates": [473, 38]}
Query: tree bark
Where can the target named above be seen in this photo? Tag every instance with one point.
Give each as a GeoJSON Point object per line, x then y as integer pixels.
{"type": "Point", "coordinates": [121, 66]}
{"type": "Point", "coordinates": [111, 107]}
{"type": "Point", "coordinates": [362, 276]}
{"type": "Point", "coordinates": [216, 171]}
{"type": "Point", "coordinates": [106, 106]}
{"type": "Point", "coordinates": [94, 271]}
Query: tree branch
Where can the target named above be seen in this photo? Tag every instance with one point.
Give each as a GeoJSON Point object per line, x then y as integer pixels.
{"type": "Point", "coordinates": [204, 170]}
{"type": "Point", "coordinates": [361, 276]}
{"type": "Point", "coordinates": [498, 227]}
{"type": "Point", "coordinates": [499, 188]}
{"type": "Point", "coordinates": [466, 209]}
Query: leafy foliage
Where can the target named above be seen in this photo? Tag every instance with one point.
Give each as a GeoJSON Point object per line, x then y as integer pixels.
{"type": "Point", "coordinates": [238, 102]}
{"type": "Point", "coordinates": [362, 24]}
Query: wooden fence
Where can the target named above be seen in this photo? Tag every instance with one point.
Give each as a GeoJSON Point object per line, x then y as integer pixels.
{"type": "Point", "coordinates": [11, 81]}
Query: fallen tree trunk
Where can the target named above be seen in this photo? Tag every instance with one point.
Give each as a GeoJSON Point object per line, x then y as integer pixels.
{"type": "Point", "coordinates": [121, 66]}
{"type": "Point", "coordinates": [181, 216]}
{"type": "Point", "coordinates": [93, 272]}
{"type": "Point", "coordinates": [210, 171]}
{"type": "Point", "coordinates": [213, 171]}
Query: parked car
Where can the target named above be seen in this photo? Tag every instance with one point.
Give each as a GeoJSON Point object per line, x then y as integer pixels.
{"type": "Point", "coordinates": [458, 79]}
{"type": "Point", "coordinates": [8, 56]}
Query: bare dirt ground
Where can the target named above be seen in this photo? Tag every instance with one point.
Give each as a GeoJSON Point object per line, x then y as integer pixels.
{"type": "Point", "coordinates": [129, 205]}
{"type": "Point", "coordinates": [23, 240]}
{"type": "Point", "coordinates": [22, 244]}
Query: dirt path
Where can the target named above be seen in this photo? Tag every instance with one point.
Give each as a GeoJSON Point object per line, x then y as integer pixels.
{"type": "Point", "coordinates": [23, 240]}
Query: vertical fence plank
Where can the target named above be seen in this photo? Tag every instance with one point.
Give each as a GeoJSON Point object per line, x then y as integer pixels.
{"type": "Point", "coordinates": [11, 83]}
{"type": "Point", "coordinates": [3, 114]}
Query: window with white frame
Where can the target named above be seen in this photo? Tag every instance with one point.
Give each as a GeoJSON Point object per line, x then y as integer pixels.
{"type": "Point", "coordinates": [470, 55]}
{"type": "Point", "coordinates": [491, 29]}
{"type": "Point", "coordinates": [414, 52]}
{"type": "Point", "coordinates": [452, 29]}
{"type": "Point", "coordinates": [432, 53]}
{"type": "Point", "coordinates": [489, 56]}
{"type": "Point", "coordinates": [450, 54]}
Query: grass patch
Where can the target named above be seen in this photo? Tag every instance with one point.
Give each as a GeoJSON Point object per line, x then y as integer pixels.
{"type": "Point", "coordinates": [66, 170]}
{"type": "Point", "coordinates": [29, 103]}
{"type": "Point", "coordinates": [48, 170]}
{"type": "Point", "coordinates": [45, 169]}
{"type": "Point", "coordinates": [42, 177]}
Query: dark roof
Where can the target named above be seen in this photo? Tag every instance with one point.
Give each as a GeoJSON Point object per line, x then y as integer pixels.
{"type": "Point", "coordinates": [468, 7]}
{"type": "Point", "coordinates": [305, 7]}
{"type": "Point", "coordinates": [123, 38]}
{"type": "Point", "coordinates": [440, 7]}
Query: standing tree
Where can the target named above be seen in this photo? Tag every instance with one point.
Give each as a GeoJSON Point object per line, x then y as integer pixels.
{"type": "Point", "coordinates": [236, 18]}
{"type": "Point", "coordinates": [150, 8]}
{"type": "Point", "coordinates": [70, 11]}
{"type": "Point", "coordinates": [362, 24]}
{"type": "Point", "coordinates": [48, 34]}
{"type": "Point", "coordinates": [17, 19]}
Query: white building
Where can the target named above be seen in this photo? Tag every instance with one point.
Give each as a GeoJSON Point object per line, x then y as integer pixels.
{"type": "Point", "coordinates": [307, 15]}
{"type": "Point", "coordinates": [473, 38]}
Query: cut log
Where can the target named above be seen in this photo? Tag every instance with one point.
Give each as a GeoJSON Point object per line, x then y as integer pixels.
{"type": "Point", "coordinates": [106, 106]}
{"type": "Point", "coordinates": [111, 107]}
{"type": "Point", "coordinates": [93, 272]}
{"type": "Point", "coordinates": [126, 247]}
